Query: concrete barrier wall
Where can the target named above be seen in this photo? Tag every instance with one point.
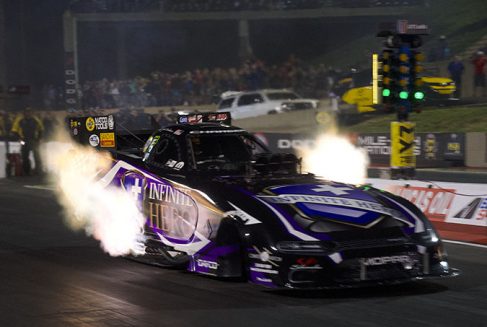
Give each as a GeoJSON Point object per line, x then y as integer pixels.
{"type": "Point", "coordinates": [458, 210]}
{"type": "Point", "coordinates": [476, 150]}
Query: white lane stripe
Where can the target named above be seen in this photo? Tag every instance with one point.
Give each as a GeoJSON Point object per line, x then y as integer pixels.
{"type": "Point", "coordinates": [466, 244]}
{"type": "Point", "coordinates": [40, 187]}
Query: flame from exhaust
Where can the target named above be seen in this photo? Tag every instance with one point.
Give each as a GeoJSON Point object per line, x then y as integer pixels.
{"type": "Point", "coordinates": [108, 214]}
{"type": "Point", "coordinates": [335, 158]}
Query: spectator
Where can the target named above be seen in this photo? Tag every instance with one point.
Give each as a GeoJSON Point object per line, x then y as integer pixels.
{"type": "Point", "coordinates": [50, 123]}
{"type": "Point", "coordinates": [444, 49]}
{"type": "Point", "coordinates": [456, 70]}
{"type": "Point", "coordinates": [162, 119]}
{"type": "Point", "coordinates": [3, 127]}
{"type": "Point", "coordinates": [479, 73]}
{"type": "Point", "coordinates": [203, 86]}
{"type": "Point", "coordinates": [29, 129]}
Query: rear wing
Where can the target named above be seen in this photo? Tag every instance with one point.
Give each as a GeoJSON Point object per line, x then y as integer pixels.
{"type": "Point", "coordinates": [96, 131]}
{"type": "Point", "coordinates": [105, 133]}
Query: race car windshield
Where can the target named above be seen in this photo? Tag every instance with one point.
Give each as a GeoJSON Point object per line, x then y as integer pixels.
{"type": "Point", "coordinates": [282, 96]}
{"type": "Point", "coordinates": [224, 152]}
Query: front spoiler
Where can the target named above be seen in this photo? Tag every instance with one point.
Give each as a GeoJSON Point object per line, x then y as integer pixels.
{"type": "Point", "coordinates": [453, 272]}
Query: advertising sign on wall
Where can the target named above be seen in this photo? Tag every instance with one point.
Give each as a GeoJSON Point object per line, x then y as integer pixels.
{"type": "Point", "coordinates": [430, 149]}
{"type": "Point", "coordinates": [456, 203]}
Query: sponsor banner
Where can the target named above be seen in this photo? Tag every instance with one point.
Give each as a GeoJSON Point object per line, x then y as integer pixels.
{"type": "Point", "coordinates": [456, 203]}
{"type": "Point", "coordinates": [402, 145]}
{"type": "Point", "coordinates": [430, 149]}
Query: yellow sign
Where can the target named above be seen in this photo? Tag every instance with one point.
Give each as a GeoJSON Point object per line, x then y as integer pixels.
{"type": "Point", "coordinates": [375, 77]}
{"type": "Point", "coordinates": [107, 140]}
{"type": "Point", "coordinates": [90, 124]}
{"type": "Point", "coordinates": [402, 145]}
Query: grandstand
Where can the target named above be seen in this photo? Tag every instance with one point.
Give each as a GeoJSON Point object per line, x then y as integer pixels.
{"type": "Point", "coordinates": [131, 6]}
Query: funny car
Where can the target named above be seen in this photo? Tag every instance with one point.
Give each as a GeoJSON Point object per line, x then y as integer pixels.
{"type": "Point", "coordinates": [218, 202]}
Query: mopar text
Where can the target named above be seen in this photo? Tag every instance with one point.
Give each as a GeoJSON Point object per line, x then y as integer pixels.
{"type": "Point", "coordinates": [379, 261]}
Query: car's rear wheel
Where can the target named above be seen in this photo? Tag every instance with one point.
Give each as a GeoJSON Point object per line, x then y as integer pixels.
{"type": "Point", "coordinates": [235, 263]}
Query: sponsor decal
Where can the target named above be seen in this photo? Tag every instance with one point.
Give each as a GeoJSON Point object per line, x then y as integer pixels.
{"type": "Point", "coordinates": [111, 122]}
{"type": "Point", "coordinates": [246, 218]}
{"type": "Point", "coordinates": [74, 123]}
{"type": "Point", "coordinates": [207, 264]}
{"type": "Point", "coordinates": [171, 163]}
{"type": "Point", "coordinates": [194, 119]}
{"type": "Point", "coordinates": [153, 143]}
{"type": "Point", "coordinates": [264, 280]}
{"type": "Point", "coordinates": [90, 124]}
{"type": "Point", "coordinates": [405, 260]}
{"type": "Point", "coordinates": [267, 271]}
{"type": "Point", "coordinates": [183, 119]}
{"type": "Point", "coordinates": [262, 265]}
{"type": "Point", "coordinates": [107, 140]}
{"type": "Point", "coordinates": [101, 123]}
{"type": "Point", "coordinates": [94, 140]}
{"type": "Point", "coordinates": [167, 193]}
{"type": "Point", "coordinates": [435, 203]}
{"type": "Point", "coordinates": [171, 210]}
{"type": "Point", "coordinates": [331, 200]}
{"type": "Point", "coordinates": [179, 165]}
{"type": "Point", "coordinates": [265, 256]}
{"type": "Point", "coordinates": [174, 164]}
{"type": "Point", "coordinates": [75, 131]}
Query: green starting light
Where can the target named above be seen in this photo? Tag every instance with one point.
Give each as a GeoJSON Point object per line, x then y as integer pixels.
{"type": "Point", "coordinates": [386, 92]}
{"type": "Point", "coordinates": [418, 95]}
{"type": "Point", "coordinates": [403, 95]}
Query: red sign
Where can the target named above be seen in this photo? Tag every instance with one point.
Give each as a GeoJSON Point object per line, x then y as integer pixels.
{"type": "Point", "coordinates": [435, 203]}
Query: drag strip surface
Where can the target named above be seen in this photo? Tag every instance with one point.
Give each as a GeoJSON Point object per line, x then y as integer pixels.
{"type": "Point", "coordinates": [51, 276]}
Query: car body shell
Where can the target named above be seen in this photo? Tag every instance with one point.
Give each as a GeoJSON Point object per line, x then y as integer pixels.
{"type": "Point", "coordinates": [269, 223]}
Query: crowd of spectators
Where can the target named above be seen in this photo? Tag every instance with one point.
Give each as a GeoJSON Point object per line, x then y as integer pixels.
{"type": "Point", "coordinates": [199, 86]}
{"type": "Point", "coordinates": [85, 6]}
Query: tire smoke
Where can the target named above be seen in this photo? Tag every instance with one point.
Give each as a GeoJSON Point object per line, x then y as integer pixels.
{"type": "Point", "coordinates": [108, 214]}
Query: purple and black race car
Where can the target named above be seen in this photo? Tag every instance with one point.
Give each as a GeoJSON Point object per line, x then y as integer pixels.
{"type": "Point", "coordinates": [219, 203]}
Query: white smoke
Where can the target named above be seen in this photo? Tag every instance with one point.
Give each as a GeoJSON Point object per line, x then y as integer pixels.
{"type": "Point", "coordinates": [335, 158]}
{"type": "Point", "coordinates": [108, 214]}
